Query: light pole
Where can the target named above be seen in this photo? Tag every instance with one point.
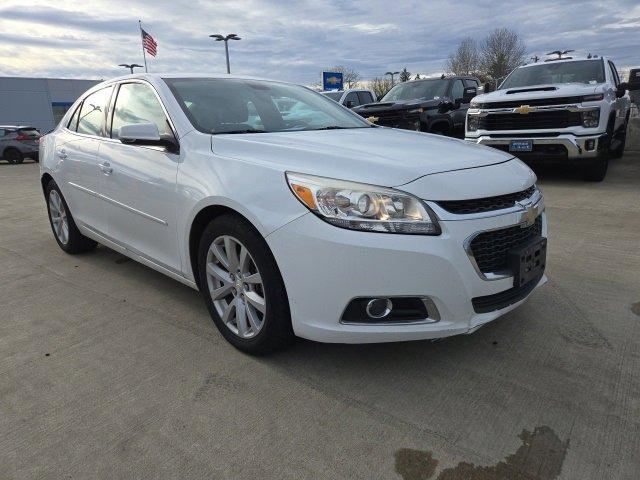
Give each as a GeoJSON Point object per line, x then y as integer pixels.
{"type": "Point", "coordinates": [130, 66]}
{"type": "Point", "coordinates": [392, 74]}
{"type": "Point", "coordinates": [222, 38]}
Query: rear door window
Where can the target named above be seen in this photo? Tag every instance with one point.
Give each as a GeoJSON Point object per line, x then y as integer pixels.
{"type": "Point", "coordinates": [365, 97]}
{"type": "Point", "coordinates": [93, 112]}
{"type": "Point", "coordinates": [353, 98]}
{"type": "Point", "coordinates": [73, 121]}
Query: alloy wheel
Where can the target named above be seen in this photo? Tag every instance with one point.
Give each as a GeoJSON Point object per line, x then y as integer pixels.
{"type": "Point", "coordinates": [235, 286]}
{"type": "Point", "coordinates": [58, 216]}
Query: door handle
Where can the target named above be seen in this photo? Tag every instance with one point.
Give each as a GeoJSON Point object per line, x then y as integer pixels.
{"type": "Point", "coordinates": [106, 168]}
{"type": "Point", "coordinates": [62, 154]}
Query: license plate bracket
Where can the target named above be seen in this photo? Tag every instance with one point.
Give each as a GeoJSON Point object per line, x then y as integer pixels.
{"type": "Point", "coordinates": [528, 261]}
{"type": "Point", "coordinates": [521, 146]}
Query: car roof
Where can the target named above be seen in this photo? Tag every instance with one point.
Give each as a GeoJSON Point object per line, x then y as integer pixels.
{"type": "Point", "coordinates": [565, 60]}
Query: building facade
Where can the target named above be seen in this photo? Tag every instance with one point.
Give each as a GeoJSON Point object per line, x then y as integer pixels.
{"type": "Point", "coordinates": [38, 102]}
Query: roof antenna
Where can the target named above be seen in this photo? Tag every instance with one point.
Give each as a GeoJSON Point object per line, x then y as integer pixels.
{"type": "Point", "coordinates": [589, 56]}
{"type": "Point", "coordinates": [535, 58]}
{"type": "Point", "coordinates": [442, 76]}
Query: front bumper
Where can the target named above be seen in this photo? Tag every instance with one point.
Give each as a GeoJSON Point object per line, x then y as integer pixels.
{"type": "Point", "coordinates": [324, 267]}
{"type": "Point", "coordinates": [575, 147]}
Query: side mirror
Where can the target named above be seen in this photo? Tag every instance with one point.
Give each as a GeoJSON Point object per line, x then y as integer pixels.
{"type": "Point", "coordinates": [350, 104]}
{"type": "Point", "coordinates": [469, 93]}
{"type": "Point", "coordinates": [145, 134]}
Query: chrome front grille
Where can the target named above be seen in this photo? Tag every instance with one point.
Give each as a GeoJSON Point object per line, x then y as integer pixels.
{"type": "Point", "coordinates": [487, 204]}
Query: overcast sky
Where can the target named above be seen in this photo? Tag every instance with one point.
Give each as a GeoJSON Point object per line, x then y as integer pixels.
{"type": "Point", "coordinates": [295, 40]}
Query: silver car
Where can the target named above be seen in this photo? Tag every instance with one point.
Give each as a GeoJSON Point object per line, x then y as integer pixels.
{"type": "Point", "coordinates": [18, 142]}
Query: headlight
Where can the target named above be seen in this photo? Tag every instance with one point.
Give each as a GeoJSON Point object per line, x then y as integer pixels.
{"type": "Point", "coordinates": [591, 118]}
{"type": "Point", "coordinates": [472, 123]}
{"type": "Point", "coordinates": [358, 206]}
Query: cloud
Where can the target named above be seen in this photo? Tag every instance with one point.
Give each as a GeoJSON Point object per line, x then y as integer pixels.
{"type": "Point", "coordinates": [295, 40]}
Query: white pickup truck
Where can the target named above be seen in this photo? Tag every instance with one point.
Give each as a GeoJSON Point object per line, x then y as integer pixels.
{"type": "Point", "coordinates": [556, 110]}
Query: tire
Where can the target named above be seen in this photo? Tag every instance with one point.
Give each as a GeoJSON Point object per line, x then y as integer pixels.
{"type": "Point", "coordinates": [597, 170]}
{"type": "Point", "coordinates": [65, 230]}
{"type": "Point", "coordinates": [13, 156]}
{"type": "Point", "coordinates": [256, 287]}
{"type": "Point", "coordinates": [622, 136]}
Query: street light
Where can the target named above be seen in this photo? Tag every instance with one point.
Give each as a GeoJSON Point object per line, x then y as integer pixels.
{"type": "Point", "coordinates": [130, 66]}
{"type": "Point", "coordinates": [222, 38]}
{"type": "Point", "coordinates": [392, 74]}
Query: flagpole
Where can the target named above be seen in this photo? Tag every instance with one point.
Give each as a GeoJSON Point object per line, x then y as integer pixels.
{"type": "Point", "coordinates": [144, 55]}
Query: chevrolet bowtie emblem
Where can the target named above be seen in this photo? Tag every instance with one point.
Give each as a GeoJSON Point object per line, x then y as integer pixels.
{"type": "Point", "coordinates": [528, 214]}
{"type": "Point", "coordinates": [524, 109]}
{"type": "Point", "coordinates": [373, 119]}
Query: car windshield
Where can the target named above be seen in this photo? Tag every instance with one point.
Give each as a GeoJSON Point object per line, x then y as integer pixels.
{"type": "Point", "coordinates": [417, 90]}
{"type": "Point", "coordinates": [218, 105]}
{"type": "Point", "coordinates": [333, 95]}
{"type": "Point", "coordinates": [582, 71]}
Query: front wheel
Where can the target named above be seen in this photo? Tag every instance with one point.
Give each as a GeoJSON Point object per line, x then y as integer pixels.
{"type": "Point", "coordinates": [64, 227]}
{"type": "Point", "coordinates": [242, 286]}
{"type": "Point", "coordinates": [597, 170]}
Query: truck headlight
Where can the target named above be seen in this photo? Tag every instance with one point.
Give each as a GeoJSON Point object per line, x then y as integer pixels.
{"type": "Point", "coordinates": [357, 206]}
{"type": "Point", "coordinates": [472, 123]}
{"type": "Point", "coordinates": [591, 118]}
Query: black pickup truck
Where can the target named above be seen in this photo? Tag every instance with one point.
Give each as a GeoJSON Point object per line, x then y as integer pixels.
{"type": "Point", "coordinates": [435, 105]}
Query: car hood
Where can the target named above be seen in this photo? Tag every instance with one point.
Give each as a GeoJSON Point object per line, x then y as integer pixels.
{"type": "Point", "coordinates": [379, 156]}
{"type": "Point", "coordinates": [539, 91]}
{"type": "Point", "coordinates": [398, 105]}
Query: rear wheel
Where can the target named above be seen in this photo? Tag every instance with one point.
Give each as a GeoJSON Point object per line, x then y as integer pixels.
{"type": "Point", "coordinates": [242, 287]}
{"type": "Point", "coordinates": [13, 156]}
{"type": "Point", "coordinates": [63, 226]}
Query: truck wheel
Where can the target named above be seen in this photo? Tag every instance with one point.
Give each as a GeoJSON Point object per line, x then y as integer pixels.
{"type": "Point", "coordinates": [622, 139]}
{"type": "Point", "coordinates": [13, 156]}
{"type": "Point", "coordinates": [597, 170]}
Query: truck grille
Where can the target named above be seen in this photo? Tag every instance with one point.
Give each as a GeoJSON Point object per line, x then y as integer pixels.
{"type": "Point", "coordinates": [488, 204]}
{"type": "Point", "coordinates": [537, 102]}
{"type": "Point", "coordinates": [490, 249]}
{"type": "Point", "coordinates": [531, 121]}
{"type": "Point", "coordinates": [392, 118]}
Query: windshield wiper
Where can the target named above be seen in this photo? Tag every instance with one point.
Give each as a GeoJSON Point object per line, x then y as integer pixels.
{"type": "Point", "coordinates": [246, 130]}
{"type": "Point", "coordinates": [333, 127]}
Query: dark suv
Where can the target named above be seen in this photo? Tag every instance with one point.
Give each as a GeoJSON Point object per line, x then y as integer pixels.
{"type": "Point", "coordinates": [18, 143]}
{"type": "Point", "coordinates": [436, 105]}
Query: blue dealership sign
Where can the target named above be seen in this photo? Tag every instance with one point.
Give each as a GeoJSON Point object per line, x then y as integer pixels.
{"type": "Point", "coordinates": [332, 80]}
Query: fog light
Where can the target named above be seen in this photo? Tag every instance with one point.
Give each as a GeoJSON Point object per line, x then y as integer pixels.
{"type": "Point", "coordinates": [379, 307]}
{"type": "Point", "coordinates": [590, 145]}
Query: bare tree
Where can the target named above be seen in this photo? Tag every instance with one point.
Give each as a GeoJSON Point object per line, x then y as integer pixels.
{"type": "Point", "coordinates": [380, 86]}
{"type": "Point", "coordinates": [350, 77]}
{"type": "Point", "coordinates": [466, 59]}
{"type": "Point", "coordinates": [500, 52]}
{"type": "Point", "coordinates": [405, 76]}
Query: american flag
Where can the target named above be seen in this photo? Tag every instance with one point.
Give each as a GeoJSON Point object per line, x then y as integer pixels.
{"type": "Point", "coordinates": [149, 44]}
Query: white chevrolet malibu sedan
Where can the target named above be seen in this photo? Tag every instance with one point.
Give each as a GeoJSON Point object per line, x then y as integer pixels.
{"type": "Point", "coordinates": [291, 214]}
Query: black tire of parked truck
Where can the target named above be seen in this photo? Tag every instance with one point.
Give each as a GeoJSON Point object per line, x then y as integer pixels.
{"type": "Point", "coordinates": [597, 169]}
{"type": "Point", "coordinates": [620, 139]}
